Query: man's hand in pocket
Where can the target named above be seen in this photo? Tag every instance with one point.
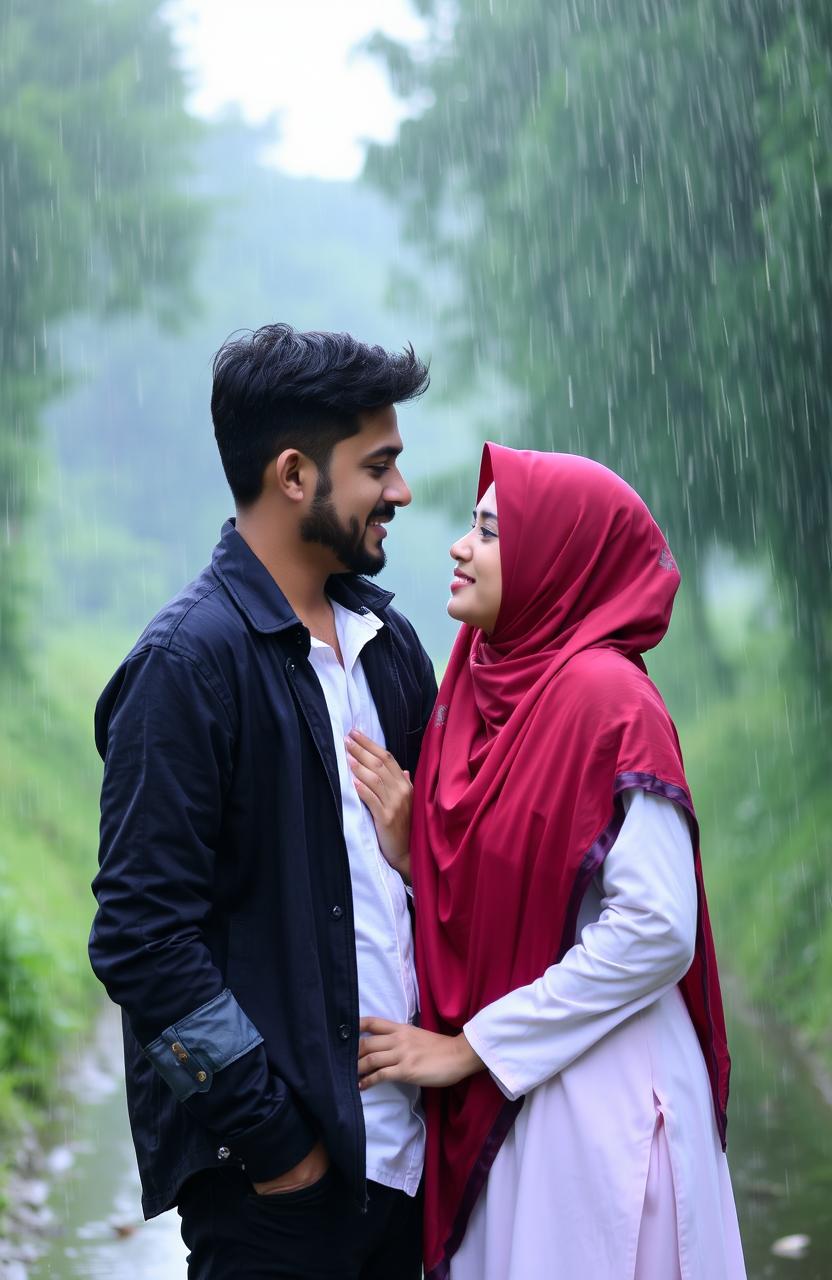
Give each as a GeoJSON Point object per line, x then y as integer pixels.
{"type": "Point", "coordinates": [310, 1170]}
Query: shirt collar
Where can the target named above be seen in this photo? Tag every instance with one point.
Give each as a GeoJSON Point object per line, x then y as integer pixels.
{"type": "Point", "coordinates": [259, 598]}
{"type": "Point", "coordinates": [354, 631]}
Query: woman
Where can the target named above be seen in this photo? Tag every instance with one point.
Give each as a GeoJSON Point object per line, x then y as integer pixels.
{"type": "Point", "coordinates": [572, 1027]}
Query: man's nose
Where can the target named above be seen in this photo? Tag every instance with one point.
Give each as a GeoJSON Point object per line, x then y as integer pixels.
{"type": "Point", "coordinates": [398, 491]}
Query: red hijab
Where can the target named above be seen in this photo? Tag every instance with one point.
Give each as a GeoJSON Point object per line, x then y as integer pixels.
{"type": "Point", "coordinates": [537, 731]}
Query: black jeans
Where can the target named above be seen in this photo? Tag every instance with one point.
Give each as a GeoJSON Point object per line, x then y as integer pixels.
{"type": "Point", "coordinates": [318, 1233]}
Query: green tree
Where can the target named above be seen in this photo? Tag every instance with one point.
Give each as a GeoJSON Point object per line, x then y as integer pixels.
{"type": "Point", "coordinates": [634, 199]}
{"type": "Point", "coordinates": [94, 210]}
{"type": "Point", "coordinates": [780, 368]}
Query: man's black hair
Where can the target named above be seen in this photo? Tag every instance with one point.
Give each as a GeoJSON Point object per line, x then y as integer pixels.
{"type": "Point", "coordinates": [275, 389]}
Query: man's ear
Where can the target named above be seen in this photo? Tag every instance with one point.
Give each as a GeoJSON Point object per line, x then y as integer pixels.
{"type": "Point", "coordinates": [292, 474]}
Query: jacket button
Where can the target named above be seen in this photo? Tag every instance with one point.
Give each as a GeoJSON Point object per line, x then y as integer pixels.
{"type": "Point", "coordinates": [223, 1153]}
{"type": "Point", "coordinates": [337, 912]}
{"type": "Point", "coordinates": [290, 667]}
{"type": "Point", "coordinates": [343, 1031]}
{"type": "Point", "coordinates": [202, 1076]}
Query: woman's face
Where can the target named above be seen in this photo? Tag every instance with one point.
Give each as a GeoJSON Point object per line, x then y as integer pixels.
{"type": "Point", "coordinates": [477, 586]}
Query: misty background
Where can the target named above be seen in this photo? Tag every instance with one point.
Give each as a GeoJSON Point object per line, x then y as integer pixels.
{"type": "Point", "coordinates": [607, 226]}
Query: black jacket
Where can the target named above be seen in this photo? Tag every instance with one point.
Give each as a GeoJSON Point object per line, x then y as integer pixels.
{"type": "Point", "coordinates": [224, 927]}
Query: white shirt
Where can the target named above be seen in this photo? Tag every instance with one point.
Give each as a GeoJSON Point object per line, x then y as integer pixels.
{"type": "Point", "coordinates": [383, 936]}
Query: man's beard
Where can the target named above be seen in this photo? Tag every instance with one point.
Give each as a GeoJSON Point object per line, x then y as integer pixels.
{"type": "Point", "coordinates": [347, 542]}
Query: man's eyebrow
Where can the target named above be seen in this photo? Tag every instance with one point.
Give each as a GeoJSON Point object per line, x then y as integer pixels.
{"type": "Point", "coordinates": [386, 451]}
{"type": "Point", "coordinates": [486, 515]}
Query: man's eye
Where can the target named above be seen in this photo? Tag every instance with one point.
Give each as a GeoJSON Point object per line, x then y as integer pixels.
{"type": "Point", "coordinates": [378, 471]}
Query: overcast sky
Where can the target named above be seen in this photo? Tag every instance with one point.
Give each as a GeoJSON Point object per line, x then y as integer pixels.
{"type": "Point", "coordinates": [296, 58]}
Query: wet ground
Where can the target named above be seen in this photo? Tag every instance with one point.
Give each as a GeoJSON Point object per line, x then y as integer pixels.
{"type": "Point", "coordinates": [91, 1226]}
{"type": "Point", "coordinates": [780, 1147]}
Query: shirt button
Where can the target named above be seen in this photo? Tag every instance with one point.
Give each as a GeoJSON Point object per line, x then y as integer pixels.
{"type": "Point", "coordinates": [337, 912]}
{"type": "Point", "coordinates": [343, 1031]}
{"type": "Point", "coordinates": [223, 1153]}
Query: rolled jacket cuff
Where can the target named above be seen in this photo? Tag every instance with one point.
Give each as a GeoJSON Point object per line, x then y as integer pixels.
{"type": "Point", "coordinates": [189, 1053]}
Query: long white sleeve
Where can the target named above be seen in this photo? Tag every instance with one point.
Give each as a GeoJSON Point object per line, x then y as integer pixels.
{"type": "Point", "coordinates": [638, 949]}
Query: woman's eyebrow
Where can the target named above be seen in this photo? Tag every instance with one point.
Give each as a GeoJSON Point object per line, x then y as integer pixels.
{"type": "Point", "coordinates": [485, 515]}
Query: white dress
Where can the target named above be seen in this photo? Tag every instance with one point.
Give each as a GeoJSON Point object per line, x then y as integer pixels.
{"type": "Point", "coordinates": [613, 1169]}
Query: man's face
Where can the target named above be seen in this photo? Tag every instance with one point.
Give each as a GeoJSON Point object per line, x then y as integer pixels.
{"type": "Point", "coordinates": [359, 494]}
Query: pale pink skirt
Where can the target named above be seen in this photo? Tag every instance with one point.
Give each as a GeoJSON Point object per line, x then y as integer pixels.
{"type": "Point", "coordinates": [613, 1169]}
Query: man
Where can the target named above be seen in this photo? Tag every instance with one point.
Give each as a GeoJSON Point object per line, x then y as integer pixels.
{"type": "Point", "coordinates": [246, 916]}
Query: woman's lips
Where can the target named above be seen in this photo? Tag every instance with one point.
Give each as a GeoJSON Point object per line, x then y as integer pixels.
{"type": "Point", "coordinates": [459, 581]}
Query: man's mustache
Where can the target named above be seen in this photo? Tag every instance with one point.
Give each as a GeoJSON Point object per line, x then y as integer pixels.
{"type": "Point", "coordinates": [383, 513]}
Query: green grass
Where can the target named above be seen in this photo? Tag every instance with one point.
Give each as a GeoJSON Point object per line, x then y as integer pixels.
{"type": "Point", "coordinates": [759, 770]}
{"type": "Point", "coordinates": [759, 759]}
{"type": "Point", "coordinates": [49, 779]}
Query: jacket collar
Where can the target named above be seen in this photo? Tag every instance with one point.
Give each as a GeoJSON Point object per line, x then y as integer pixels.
{"type": "Point", "coordinates": [259, 598]}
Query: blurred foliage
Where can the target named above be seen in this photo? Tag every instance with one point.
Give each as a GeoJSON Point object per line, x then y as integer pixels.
{"type": "Point", "coordinates": [758, 772]}
{"type": "Point", "coordinates": [94, 210]}
{"type": "Point", "coordinates": [636, 201]}
{"type": "Point", "coordinates": [49, 779]}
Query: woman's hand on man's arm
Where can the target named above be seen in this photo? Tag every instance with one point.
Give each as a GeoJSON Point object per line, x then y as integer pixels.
{"type": "Point", "coordinates": [399, 1051]}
